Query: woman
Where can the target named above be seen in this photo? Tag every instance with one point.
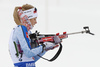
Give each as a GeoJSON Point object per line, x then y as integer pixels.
{"type": "Point", "coordinates": [22, 54]}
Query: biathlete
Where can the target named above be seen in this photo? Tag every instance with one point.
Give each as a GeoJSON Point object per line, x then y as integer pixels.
{"type": "Point", "coordinates": [20, 47]}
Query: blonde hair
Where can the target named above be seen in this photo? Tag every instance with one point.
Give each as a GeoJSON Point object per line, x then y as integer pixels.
{"type": "Point", "coordinates": [15, 13]}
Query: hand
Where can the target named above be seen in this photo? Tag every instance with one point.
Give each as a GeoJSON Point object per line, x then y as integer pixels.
{"type": "Point", "coordinates": [50, 46]}
{"type": "Point", "coordinates": [57, 40]}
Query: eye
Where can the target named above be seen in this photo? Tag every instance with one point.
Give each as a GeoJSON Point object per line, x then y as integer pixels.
{"type": "Point", "coordinates": [34, 19]}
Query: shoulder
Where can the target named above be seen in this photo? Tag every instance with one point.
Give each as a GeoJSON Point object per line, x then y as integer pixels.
{"type": "Point", "coordinates": [21, 27]}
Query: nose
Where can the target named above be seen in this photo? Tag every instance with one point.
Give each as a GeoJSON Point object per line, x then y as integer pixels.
{"type": "Point", "coordinates": [36, 22]}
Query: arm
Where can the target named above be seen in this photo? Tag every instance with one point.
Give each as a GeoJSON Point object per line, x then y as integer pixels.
{"type": "Point", "coordinates": [22, 35]}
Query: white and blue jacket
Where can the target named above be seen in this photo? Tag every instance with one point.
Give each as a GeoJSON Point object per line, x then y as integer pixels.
{"type": "Point", "coordinates": [28, 57]}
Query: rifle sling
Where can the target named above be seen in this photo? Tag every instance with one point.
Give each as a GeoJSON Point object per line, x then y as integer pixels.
{"type": "Point", "coordinates": [56, 55]}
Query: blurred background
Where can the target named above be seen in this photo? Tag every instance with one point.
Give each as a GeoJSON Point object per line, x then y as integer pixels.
{"type": "Point", "coordinates": [57, 16]}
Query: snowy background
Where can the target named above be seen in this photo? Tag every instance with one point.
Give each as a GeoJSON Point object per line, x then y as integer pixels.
{"type": "Point", "coordinates": [81, 50]}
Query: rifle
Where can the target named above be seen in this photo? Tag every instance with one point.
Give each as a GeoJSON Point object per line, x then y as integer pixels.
{"type": "Point", "coordinates": [37, 38]}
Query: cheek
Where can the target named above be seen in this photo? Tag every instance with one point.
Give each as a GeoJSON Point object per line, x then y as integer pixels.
{"type": "Point", "coordinates": [33, 22]}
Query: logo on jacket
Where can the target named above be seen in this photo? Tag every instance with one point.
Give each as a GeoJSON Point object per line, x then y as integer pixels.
{"type": "Point", "coordinates": [30, 64]}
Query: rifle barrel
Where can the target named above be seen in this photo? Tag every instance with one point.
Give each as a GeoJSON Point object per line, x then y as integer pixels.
{"type": "Point", "coordinates": [76, 33]}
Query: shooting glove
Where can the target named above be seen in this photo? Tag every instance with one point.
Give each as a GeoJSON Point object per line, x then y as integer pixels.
{"type": "Point", "coordinates": [49, 46]}
{"type": "Point", "coordinates": [57, 40]}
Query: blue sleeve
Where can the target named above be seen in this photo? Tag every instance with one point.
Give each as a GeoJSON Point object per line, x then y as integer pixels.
{"type": "Point", "coordinates": [22, 35]}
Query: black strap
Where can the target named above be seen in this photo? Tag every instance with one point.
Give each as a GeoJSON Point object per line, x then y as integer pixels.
{"type": "Point", "coordinates": [56, 55]}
